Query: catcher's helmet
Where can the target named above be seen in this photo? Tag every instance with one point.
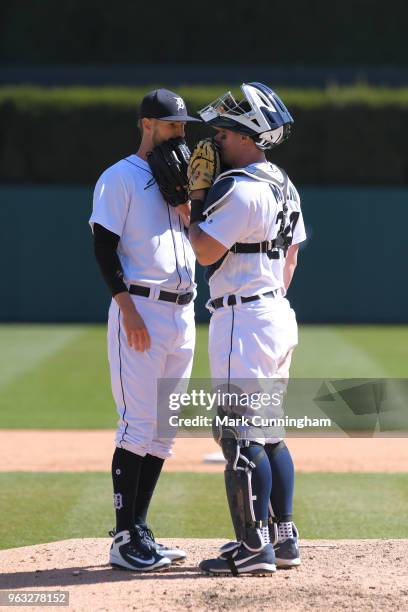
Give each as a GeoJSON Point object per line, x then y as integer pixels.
{"type": "Point", "coordinates": [261, 115]}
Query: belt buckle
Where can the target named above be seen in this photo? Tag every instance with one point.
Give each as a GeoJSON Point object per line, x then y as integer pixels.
{"type": "Point", "coordinates": [210, 305]}
{"type": "Point", "coordinates": [180, 297]}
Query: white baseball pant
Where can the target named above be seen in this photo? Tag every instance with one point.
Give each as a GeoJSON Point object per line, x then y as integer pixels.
{"type": "Point", "coordinates": [134, 374]}
{"type": "Point", "coordinates": [254, 340]}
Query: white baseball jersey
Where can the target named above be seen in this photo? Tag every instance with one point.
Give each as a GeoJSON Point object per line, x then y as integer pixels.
{"type": "Point", "coordinates": [252, 340]}
{"type": "Point", "coordinates": [250, 212]}
{"type": "Point", "coordinates": [153, 249]}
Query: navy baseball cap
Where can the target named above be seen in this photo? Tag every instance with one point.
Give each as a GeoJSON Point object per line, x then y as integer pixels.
{"type": "Point", "coordinates": [165, 105]}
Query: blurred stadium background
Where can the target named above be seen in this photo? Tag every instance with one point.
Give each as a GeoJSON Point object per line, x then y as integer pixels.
{"type": "Point", "coordinates": [71, 76]}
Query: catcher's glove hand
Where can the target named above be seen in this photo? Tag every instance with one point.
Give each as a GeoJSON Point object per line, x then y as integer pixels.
{"type": "Point", "coordinates": [168, 162]}
{"type": "Point", "coordinates": [204, 165]}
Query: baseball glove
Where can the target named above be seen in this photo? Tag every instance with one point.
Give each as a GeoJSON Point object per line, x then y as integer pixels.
{"type": "Point", "coordinates": [168, 162]}
{"type": "Point", "coordinates": [204, 165]}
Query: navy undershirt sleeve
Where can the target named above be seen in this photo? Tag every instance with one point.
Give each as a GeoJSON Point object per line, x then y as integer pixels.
{"type": "Point", "coordinates": [105, 245]}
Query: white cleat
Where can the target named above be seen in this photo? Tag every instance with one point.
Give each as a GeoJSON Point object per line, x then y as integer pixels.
{"type": "Point", "coordinates": [129, 552]}
{"type": "Point", "coordinates": [147, 537]}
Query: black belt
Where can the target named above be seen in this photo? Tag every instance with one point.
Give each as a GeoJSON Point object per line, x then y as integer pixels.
{"type": "Point", "coordinates": [232, 299]}
{"type": "Point", "coordinates": [177, 298]}
{"type": "Point", "coordinates": [253, 247]}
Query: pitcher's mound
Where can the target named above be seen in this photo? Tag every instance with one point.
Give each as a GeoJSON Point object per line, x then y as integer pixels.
{"type": "Point", "coordinates": [335, 574]}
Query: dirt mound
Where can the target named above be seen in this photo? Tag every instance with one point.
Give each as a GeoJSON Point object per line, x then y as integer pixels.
{"type": "Point", "coordinates": [341, 574]}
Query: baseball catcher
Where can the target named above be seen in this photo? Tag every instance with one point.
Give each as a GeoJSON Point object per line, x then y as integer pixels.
{"type": "Point", "coordinates": [247, 230]}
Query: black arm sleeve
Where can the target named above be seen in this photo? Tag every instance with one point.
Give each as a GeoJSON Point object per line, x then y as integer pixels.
{"type": "Point", "coordinates": [105, 245]}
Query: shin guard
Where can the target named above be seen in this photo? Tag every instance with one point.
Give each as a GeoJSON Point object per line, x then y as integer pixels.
{"type": "Point", "coordinates": [238, 485]}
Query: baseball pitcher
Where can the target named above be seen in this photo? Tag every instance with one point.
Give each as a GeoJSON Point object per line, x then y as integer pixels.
{"type": "Point", "coordinates": [147, 262]}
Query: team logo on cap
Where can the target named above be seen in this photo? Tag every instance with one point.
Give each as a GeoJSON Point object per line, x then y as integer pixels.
{"type": "Point", "coordinates": [180, 103]}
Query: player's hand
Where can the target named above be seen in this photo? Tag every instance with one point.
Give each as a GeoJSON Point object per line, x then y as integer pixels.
{"type": "Point", "coordinates": [184, 210]}
{"type": "Point", "coordinates": [136, 331]}
{"type": "Point", "coordinates": [135, 328]}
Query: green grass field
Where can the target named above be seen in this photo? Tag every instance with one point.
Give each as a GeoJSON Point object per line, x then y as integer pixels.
{"type": "Point", "coordinates": [50, 507]}
{"type": "Point", "coordinates": [56, 376]}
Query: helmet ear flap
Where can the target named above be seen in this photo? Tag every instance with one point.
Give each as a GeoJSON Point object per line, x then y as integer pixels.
{"type": "Point", "coordinates": [273, 138]}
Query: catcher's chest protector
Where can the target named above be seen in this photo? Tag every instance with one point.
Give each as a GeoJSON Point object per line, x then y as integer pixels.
{"type": "Point", "coordinates": [277, 180]}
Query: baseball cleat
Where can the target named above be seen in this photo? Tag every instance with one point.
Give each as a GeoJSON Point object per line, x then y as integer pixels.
{"type": "Point", "coordinates": [228, 546]}
{"type": "Point", "coordinates": [239, 560]}
{"type": "Point", "coordinates": [129, 552]}
{"type": "Point", "coordinates": [287, 552]}
{"type": "Point", "coordinates": [147, 537]}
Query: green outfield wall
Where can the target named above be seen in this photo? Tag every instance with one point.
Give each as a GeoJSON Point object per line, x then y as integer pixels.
{"type": "Point", "coordinates": [90, 32]}
{"type": "Point", "coordinates": [351, 268]}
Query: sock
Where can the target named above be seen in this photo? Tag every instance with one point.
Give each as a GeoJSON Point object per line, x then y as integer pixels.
{"type": "Point", "coordinates": [285, 531]}
{"type": "Point", "coordinates": [125, 477]}
{"type": "Point", "coordinates": [265, 535]}
{"type": "Point", "coordinates": [149, 475]}
{"type": "Point", "coordinates": [283, 480]}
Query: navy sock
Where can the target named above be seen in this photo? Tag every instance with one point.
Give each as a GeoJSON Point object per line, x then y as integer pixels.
{"type": "Point", "coordinates": [261, 479]}
{"type": "Point", "coordinates": [125, 477]}
{"type": "Point", "coordinates": [149, 475]}
{"type": "Point", "coordinates": [283, 480]}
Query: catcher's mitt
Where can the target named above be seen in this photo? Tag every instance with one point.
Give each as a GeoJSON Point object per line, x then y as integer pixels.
{"type": "Point", "coordinates": [168, 162]}
{"type": "Point", "coordinates": [204, 165]}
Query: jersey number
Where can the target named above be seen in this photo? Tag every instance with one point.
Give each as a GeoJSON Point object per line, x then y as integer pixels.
{"type": "Point", "coordinates": [285, 236]}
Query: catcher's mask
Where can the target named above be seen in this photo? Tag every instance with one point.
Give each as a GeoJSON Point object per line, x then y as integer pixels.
{"type": "Point", "coordinates": [261, 115]}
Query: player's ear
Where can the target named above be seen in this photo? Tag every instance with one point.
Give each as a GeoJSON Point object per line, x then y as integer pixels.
{"type": "Point", "coordinates": [146, 124]}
